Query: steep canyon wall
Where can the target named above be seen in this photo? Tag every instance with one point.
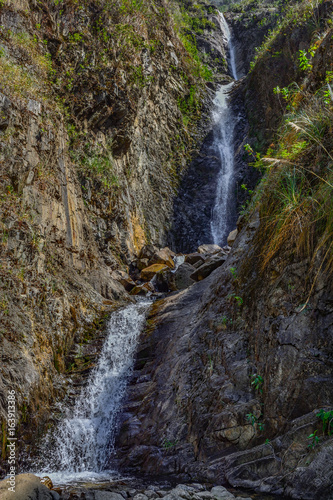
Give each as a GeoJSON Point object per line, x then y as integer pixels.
{"type": "Point", "coordinates": [101, 106]}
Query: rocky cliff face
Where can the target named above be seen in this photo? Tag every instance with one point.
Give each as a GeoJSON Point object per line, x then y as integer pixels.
{"type": "Point", "coordinates": [100, 107]}
{"type": "Point", "coordinates": [233, 379]}
{"type": "Point", "coordinates": [230, 377]}
{"type": "Point", "coordinates": [195, 201]}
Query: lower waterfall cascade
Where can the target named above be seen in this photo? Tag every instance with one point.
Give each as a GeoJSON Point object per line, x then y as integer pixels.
{"type": "Point", "coordinates": [83, 441]}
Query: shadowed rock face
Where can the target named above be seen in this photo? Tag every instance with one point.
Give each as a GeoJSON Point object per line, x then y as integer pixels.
{"type": "Point", "coordinates": [194, 204]}
{"type": "Point", "coordinates": [191, 408]}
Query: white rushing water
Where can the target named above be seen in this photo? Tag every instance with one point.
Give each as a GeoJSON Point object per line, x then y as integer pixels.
{"type": "Point", "coordinates": [178, 260]}
{"type": "Point", "coordinates": [81, 446]}
{"type": "Point", "coordinates": [226, 32]}
{"type": "Point", "coordinates": [224, 143]}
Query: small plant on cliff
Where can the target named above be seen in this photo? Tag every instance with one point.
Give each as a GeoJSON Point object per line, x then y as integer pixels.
{"type": "Point", "coordinates": [210, 364]}
{"type": "Point", "coordinates": [257, 382]}
{"type": "Point", "coordinates": [169, 444]}
{"type": "Point", "coordinates": [232, 297]}
{"type": "Point", "coordinates": [233, 271]}
{"type": "Point", "coordinates": [254, 421]}
{"type": "Point", "coordinates": [250, 417]}
{"type": "Point", "coordinates": [225, 320]}
{"type": "Point", "coordinates": [314, 440]}
{"type": "Point", "coordinates": [327, 418]}
{"type": "Point", "coordinates": [304, 63]}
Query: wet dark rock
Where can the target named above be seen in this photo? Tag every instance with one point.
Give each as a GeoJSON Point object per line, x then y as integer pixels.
{"type": "Point", "coordinates": [195, 200]}
{"type": "Point", "coordinates": [202, 349]}
{"type": "Point", "coordinates": [182, 277]}
{"type": "Point", "coordinates": [172, 281]}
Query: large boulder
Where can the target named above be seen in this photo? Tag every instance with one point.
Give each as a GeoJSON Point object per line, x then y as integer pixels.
{"type": "Point", "coordinates": [193, 258]}
{"type": "Point", "coordinates": [180, 279]}
{"type": "Point", "coordinates": [221, 493]}
{"type": "Point", "coordinates": [148, 273]}
{"type": "Point", "coordinates": [232, 236]}
{"type": "Point", "coordinates": [142, 289]}
{"type": "Point", "coordinates": [142, 264]}
{"type": "Point", "coordinates": [27, 487]}
{"type": "Point", "coordinates": [147, 252]}
{"type": "Point", "coordinates": [208, 267]}
{"type": "Point", "coordinates": [163, 256]}
{"type": "Point", "coordinates": [209, 249]}
{"type": "Point", "coordinates": [123, 278]}
{"type": "Point", "coordinates": [104, 495]}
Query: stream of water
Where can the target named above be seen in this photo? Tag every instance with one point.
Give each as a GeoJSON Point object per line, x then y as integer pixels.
{"type": "Point", "coordinates": [81, 446]}
{"type": "Point", "coordinates": [222, 217]}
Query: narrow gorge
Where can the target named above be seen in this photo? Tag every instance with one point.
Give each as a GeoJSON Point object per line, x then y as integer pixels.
{"type": "Point", "coordinates": [165, 278]}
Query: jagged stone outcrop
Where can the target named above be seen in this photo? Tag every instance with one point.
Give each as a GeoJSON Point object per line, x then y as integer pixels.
{"type": "Point", "coordinates": [192, 385]}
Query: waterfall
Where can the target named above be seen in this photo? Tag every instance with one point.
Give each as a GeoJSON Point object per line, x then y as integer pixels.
{"type": "Point", "coordinates": [226, 32]}
{"type": "Point", "coordinates": [222, 217]}
{"type": "Point", "coordinates": [83, 442]}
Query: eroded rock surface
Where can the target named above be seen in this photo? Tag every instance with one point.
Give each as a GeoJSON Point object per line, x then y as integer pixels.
{"type": "Point", "coordinates": [194, 410]}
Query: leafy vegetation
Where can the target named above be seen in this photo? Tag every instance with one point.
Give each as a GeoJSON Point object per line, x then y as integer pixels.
{"type": "Point", "coordinates": [191, 21]}
{"type": "Point", "coordinates": [254, 421]}
{"type": "Point", "coordinates": [294, 196]}
{"type": "Point", "coordinates": [327, 419]}
{"type": "Point", "coordinates": [314, 440]}
{"type": "Point", "coordinates": [289, 13]}
{"type": "Point", "coordinates": [257, 382]}
{"type": "Point", "coordinates": [96, 164]}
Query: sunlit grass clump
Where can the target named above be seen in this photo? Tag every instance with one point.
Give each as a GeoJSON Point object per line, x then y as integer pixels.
{"type": "Point", "coordinates": [295, 197]}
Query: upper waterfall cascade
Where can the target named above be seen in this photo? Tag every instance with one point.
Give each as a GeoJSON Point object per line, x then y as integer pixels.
{"type": "Point", "coordinates": [225, 121]}
{"type": "Point", "coordinates": [232, 58]}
